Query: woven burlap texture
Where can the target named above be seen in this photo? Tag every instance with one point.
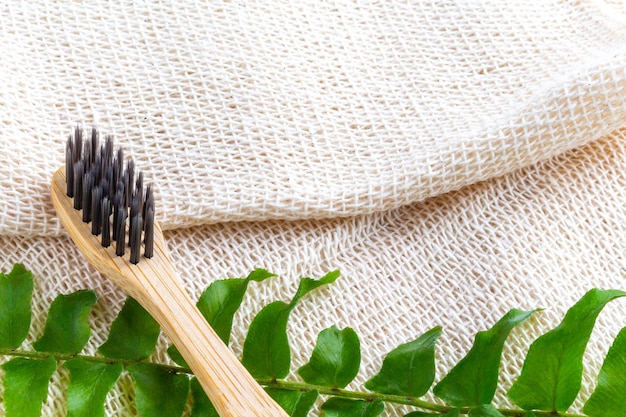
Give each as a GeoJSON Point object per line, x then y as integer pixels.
{"type": "Point", "coordinates": [453, 160]}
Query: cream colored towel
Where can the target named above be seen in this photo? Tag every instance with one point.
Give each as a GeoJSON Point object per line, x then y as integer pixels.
{"type": "Point", "coordinates": [453, 159]}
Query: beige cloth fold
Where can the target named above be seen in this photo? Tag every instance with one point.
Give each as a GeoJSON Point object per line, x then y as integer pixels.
{"type": "Point", "coordinates": [454, 160]}
{"type": "Point", "coordinates": [310, 110]}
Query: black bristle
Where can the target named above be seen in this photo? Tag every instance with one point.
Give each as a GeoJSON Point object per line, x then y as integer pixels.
{"type": "Point", "coordinates": [120, 190]}
{"type": "Point", "coordinates": [116, 219]}
{"type": "Point", "coordinates": [139, 192]}
{"type": "Point", "coordinates": [139, 183]}
{"type": "Point", "coordinates": [108, 150]}
{"type": "Point", "coordinates": [86, 156]}
{"type": "Point", "coordinates": [119, 226]}
{"type": "Point", "coordinates": [96, 210]}
{"type": "Point", "coordinates": [102, 159]}
{"type": "Point", "coordinates": [118, 168]}
{"type": "Point", "coordinates": [104, 184]}
{"type": "Point", "coordinates": [94, 144]}
{"type": "Point", "coordinates": [134, 212]}
{"type": "Point", "coordinates": [149, 195]}
{"type": "Point", "coordinates": [148, 239]}
{"type": "Point", "coordinates": [129, 179]}
{"type": "Point", "coordinates": [135, 238]}
{"type": "Point", "coordinates": [69, 167]}
{"type": "Point", "coordinates": [106, 225]}
{"type": "Point", "coordinates": [78, 143]}
{"type": "Point", "coordinates": [96, 169]}
{"type": "Point", "coordinates": [112, 182]}
{"type": "Point", "coordinates": [78, 185]}
{"type": "Point", "coordinates": [149, 203]}
{"type": "Point", "coordinates": [87, 186]}
{"type": "Point", "coordinates": [118, 202]}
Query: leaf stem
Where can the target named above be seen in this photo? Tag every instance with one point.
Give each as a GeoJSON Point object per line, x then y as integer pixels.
{"type": "Point", "coordinates": [396, 399]}
{"type": "Point", "coordinates": [289, 385]}
{"type": "Point", "coordinates": [31, 354]}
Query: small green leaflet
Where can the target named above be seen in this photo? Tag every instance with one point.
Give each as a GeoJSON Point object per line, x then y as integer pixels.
{"type": "Point", "coordinates": [219, 303]}
{"type": "Point", "coordinates": [485, 411]}
{"type": "Point", "coordinates": [552, 372]}
{"type": "Point", "coordinates": [26, 385]}
{"type": "Point", "coordinates": [473, 381]}
{"type": "Point", "coordinates": [67, 328]}
{"type": "Point", "coordinates": [409, 369]}
{"type": "Point", "coordinates": [174, 354]}
{"type": "Point", "coordinates": [266, 352]}
{"type": "Point", "coordinates": [335, 360]}
{"type": "Point", "coordinates": [89, 385]}
{"type": "Point", "coordinates": [340, 407]}
{"type": "Point", "coordinates": [309, 284]}
{"type": "Point", "coordinates": [16, 291]}
{"type": "Point", "coordinates": [133, 333]}
{"type": "Point", "coordinates": [295, 403]}
{"type": "Point", "coordinates": [160, 393]}
{"type": "Point", "coordinates": [202, 406]}
{"type": "Point", "coordinates": [609, 399]}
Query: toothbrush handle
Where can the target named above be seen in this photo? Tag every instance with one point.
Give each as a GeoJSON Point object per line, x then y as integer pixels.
{"type": "Point", "coordinates": [229, 386]}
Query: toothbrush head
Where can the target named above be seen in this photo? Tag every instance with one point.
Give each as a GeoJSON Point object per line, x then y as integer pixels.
{"type": "Point", "coordinates": [110, 194]}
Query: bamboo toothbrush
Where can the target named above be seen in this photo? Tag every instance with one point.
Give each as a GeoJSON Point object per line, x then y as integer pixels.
{"type": "Point", "coordinates": [104, 208]}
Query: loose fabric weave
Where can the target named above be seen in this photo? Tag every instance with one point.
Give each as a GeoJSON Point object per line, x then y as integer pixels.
{"type": "Point", "coordinates": [453, 159]}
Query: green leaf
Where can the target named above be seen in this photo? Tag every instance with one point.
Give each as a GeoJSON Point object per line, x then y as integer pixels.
{"type": "Point", "coordinates": [485, 411]}
{"type": "Point", "coordinates": [160, 393]}
{"type": "Point", "coordinates": [133, 334]}
{"type": "Point", "coordinates": [26, 385]}
{"type": "Point", "coordinates": [16, 291]}
{"type": "Point", "coordinates": [608, 399]}
{"type": "Point", "coordinates": [202, 406]}
{"type": "Point", "coordinates": [474, 379]}
{"type": "Point", "coordinates": [219, 303]}
{"type": "Point", "coordinates": [266, 352]}
{"type": "Point", "coordinates": [89, 385]}
{"type": "Point", "coordinates": [67, 328]}
{"type": "Point", "coordinates": [341, 407]}
{"type": "Point", "coordinates": [409, 369]}
{"type": "Point", "coordinates": [175, 356]}
{"type": "Point", "coordinates": [295, 403]}
{"type": "Point", "coordinates": [309, 284]}
{"type": "Point", "coordinates": [260, 275]}
{"type": "Point", "coordinates": [335, 360]}
{"type": "Point", "coordinates": [552, 371]}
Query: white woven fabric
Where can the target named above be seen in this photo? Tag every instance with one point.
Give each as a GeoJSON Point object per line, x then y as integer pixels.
{"type": "Point", "coordinates": [303, 110]}
{"type": "Point", "coordinates": [334, 133]}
